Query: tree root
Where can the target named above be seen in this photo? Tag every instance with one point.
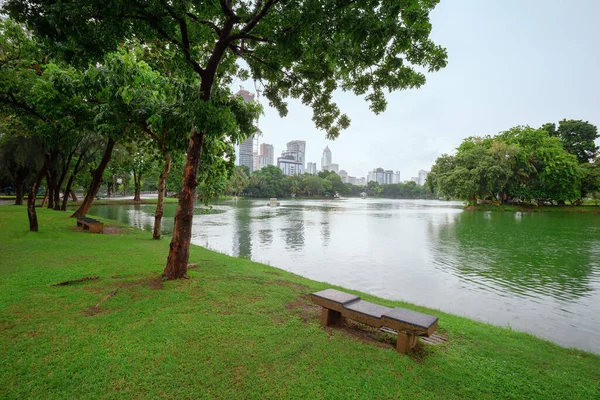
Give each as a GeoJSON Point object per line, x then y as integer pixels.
{"type": "Point", "coordinates": [108, 296]}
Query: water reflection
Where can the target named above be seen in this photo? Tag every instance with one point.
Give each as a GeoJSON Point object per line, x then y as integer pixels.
{"type": "Point", "coordinates": [242, 233]}
{"type": "Point", "coordinates": [324, 227]}
{"type": "Point", "coordinates": [293, 231]}
{"type": "Point", "coordinates": [499, 252]}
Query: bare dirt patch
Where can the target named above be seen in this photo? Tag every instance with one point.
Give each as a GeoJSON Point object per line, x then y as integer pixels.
{"type": "Point", "coordinates": [112, 230]}
{"type": "Point", "coordinates": [307, 310]}
{"type": "Point", "coordinates": [297, 286]}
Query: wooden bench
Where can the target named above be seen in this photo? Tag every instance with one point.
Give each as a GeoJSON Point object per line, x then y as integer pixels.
{"type": "Point", "coordinates": [409, 324]}
{"type": "Point", "coordinates": [90, 224]}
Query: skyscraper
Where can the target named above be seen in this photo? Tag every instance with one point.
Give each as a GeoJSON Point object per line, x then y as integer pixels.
{"type": "Point", "coordinates": [246, 148]}
{"type": "Point", "coordinates": [422, 177]}
{"type": "Point", "coordinates": [311, 167]}
{"type": "Point", "coordinates": [326, 159]}
{"type": "Point", "coordinates": [266, 155]}
{"type": "Point", "coordinates": [296, 149]}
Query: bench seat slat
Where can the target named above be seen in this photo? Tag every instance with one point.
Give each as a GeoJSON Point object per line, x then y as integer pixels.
{"type": "Point", "coordinates": [411, 317]}
{"type": "Point", "coordinates": [336, 296]}
{"type": "Point", "coordinates": [367, 308]}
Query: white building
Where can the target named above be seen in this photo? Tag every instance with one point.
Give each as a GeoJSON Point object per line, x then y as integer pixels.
{"type": "Point", "coordinates": [311, 168]}
{"type": "Point", "coordinates": [377, 175]}
{"type": "Point", "coordinates": [289, 166]}
{"type": "Point", "coordinates": [422, 177]}
{"type": "Point", "coordinates": [344, 175]}
{"type": "Point", "coordinates": [388, 177]}
{"type": "Point", "coordinates": [396, 177]}
{"type": "Point", "coordinates": [326, 159]}
{"type": "Point", "coordinates": [296, 149]}
{"type": "Point", "coordinates": [333, 167]}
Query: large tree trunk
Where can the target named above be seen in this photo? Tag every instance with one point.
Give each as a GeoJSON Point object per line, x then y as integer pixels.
{"type": "Point", "coordinates": [137, 182]}
{"type": "Point", "coordinates": [96, 181]}
{"type": "Point", "coordinates": [179, 250]}
{"type": "Point", "coordinates": [31, 213]}
{"type": "Point", "coordinates": [162, 191]}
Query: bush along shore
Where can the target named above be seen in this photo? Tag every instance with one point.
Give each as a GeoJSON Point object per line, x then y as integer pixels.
{"type": "Point", "coordinates": [233, 329]}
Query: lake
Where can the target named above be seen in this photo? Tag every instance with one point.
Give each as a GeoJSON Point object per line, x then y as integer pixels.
{"type": "Point", "coordinates": [534, 272]}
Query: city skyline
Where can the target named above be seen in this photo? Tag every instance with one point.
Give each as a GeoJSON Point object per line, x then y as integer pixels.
{"type": "Point", "coordinates": [295, 150]}
{"type": "Point", "coordinates": [495, 79]}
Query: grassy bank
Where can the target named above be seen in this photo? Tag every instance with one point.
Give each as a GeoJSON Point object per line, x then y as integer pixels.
{"type": "Point", "coordinates": [512, 208]}
{"type": "Point", "coordinates": [234, 329]}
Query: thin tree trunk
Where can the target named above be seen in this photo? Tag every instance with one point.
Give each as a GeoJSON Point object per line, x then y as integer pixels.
{"type": "Point", "coordinates": [68, 191]}
{"type": "Point", "coordinates": [179, 249]}
{"type": "Point", "coordinates": [20, 192]}
{"type": "Point", "coordinates": [68, 188]}
{"type": "Point", "coordinates": [52, 189]}
{"type": "Point", "coordinates": [31, 213]}
{"type": "Point", "coordinates": [96, 181]}
{"type": "Point", "coordinates": [45, 199]}
{"type": "Point", "coordinates": [137, 182]}
{"type": "Point", "coordinates": [162, 191]}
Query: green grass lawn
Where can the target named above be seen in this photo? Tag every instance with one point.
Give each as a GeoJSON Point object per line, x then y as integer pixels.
{"type": "Point", "coordinates": [234, 330]}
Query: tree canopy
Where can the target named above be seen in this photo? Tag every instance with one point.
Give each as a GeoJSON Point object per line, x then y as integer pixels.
{"type": "Point", "coordinates": [299, 49]}
{"type": "Point", "coordinates": [522, 163]}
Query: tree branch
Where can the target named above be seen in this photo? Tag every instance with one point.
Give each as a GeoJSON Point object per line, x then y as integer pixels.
{"type": "Point", "coordinates": [185, 40]}
{"type": "Point", "coordinates": [228, 11]}
{"type": "Point", "coordinates": [254, 20]}
{"type": "Point", "coordinates": [13, 101]}
{"type": "Point", "coordinates": [202, 22]}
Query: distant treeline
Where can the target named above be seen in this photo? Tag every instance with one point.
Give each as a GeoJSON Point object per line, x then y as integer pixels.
{"type": "Point", "coordinates": [270, 182]}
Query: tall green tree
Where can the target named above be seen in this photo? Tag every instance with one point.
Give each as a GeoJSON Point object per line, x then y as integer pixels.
{"type": "Point", "coordinates": [578, 138]}
{"type": "Point", "coordinates": [299, 49]}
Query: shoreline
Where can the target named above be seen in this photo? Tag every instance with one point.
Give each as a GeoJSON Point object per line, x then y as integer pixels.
{"type": "Point", "coordinates": [592, 209]}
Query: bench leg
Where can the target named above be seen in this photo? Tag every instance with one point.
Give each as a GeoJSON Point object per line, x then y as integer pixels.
{"type": "Point", "coordinates": [405, 342]}
{"type": "Point", "coordinates": [330, 317]}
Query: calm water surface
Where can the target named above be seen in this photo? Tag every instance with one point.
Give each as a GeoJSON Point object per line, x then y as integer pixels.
{"type": "Point", "coordinates": [537, 272]}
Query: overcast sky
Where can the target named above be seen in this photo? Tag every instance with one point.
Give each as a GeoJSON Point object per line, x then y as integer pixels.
{"type": "Point", "coordinates": [510, 62]}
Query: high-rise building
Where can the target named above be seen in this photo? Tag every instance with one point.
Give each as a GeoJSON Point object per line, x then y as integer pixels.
{"type": "Point", "coordinates": [296, 149]}
{"type": "Point", "coordinates": [333, 167]}
{"type": "Point", "coordinates": [422, 177]}
{"type": "Point", "coordinates": [326, 159]}
{"type": "Point", "coordinates": [289, 166]}
{"type": "Point", "coordinates": [380, 176]}
{"type": "Point", "coordinates": [396, 177]}
{"type": "Point", "coordinates": [266, 155]}
{"type": "Point", "coordinates": [388, 177]}
{"type": "Point", "coordinates": [246, 148]}
{"type": "Point", "coordinates": [255, 160]}
{"type": "Point", "coordinates": [311, 167]}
